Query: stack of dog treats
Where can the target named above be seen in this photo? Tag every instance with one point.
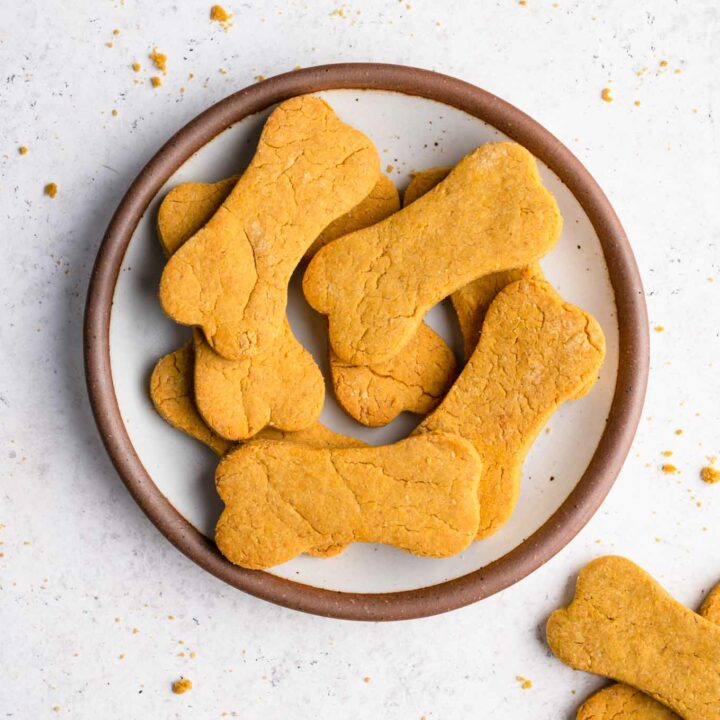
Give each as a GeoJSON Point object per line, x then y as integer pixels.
{"type": "Point", "coordinates": [313, 194]}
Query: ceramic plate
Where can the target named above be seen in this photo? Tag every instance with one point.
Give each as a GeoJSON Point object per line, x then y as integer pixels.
{"type": "Point", "coordinates": [417, 120]}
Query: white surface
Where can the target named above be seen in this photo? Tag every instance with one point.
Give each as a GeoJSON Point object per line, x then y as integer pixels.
{"type": "Point", "coordinates": [183, 470]}
{"type": "Point", "coordinates": [91, 556]}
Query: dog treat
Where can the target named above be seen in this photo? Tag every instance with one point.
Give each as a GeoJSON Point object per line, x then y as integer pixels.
{"type": "Point", "coordinates": [490, 214]}
{"type": "Point", "coordinates": [281, 388]}
{"type": "Point", "coordinates": [231, 277]}
{"type": "Point", "coordinates": [171, 391]}
{"type": "Point", "coordinates": [283, 499]}
{"type": "Point", "coordinates": [415, 380]}
{"type": "Point", "coordinates": [622, 702]}
{"type": "Point", "coordinates": [535, 352]}
{"type": "Point", "coordinates": [623, 625]}
{"type": "Point", "coordinates": [472, 301]}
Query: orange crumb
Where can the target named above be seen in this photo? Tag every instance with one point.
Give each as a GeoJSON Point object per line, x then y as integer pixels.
{"type": "Point", "coordinates": [666, 453]}
{"type": "Point", "coordinates": [637, 103]}
{"type": "Point", "coordinates": [22, 150]}
{"type": "Point", "coordinates": [219, 14]}
{"type": "Point", "coordinates": [659, 328]}
{"type": "Point", "coordinates": [114, 113]}
{"type": "Point", "coordinates": [678, 432]}
{"type": "Point", "coordinates": [669, 469]}
{"type": "Point", "coordinates": [51, 190]}
{"type": "Point", "coordinates": [677, 71]}
{"type": "Point", "coordinates": [339, 12]}
{"type": "Point", "coordinates": [159, 60]}
{"type": "Point", "coordinates": [117, 619]}
{"type": "Point", "coordinates": [135, 631]}
{"type": "Point", "coordinates": [182, 686]}
{"type": "Point", "coordinates": [525, 683]}
{"type": "Point", "coordinates": [605, 95]}
{"type": "Point", "coordinates": [56, 708]}
{"type": "Point", "coordinates": [136, 66]}
{"type": "Point", "coordinates": [121, 656]}
{"type": "Point", "coordinates": [156, 81]}
{"type": "Point", "coordinates": [193, 654]}
{"type": "Point", "coordinates": [171, 617]}
{"type": "Point", "coordinates": [522, 2]}
{"type": "Point", "coordinates": [389, 168]}
{"type": "Point", "coordinates": [366, 680]}
{"type": "Point", "coordinates": [663, 63]}
{"type": "Point", "coordinates": [116, 31]}
{"type": "Point", "coordinates": [259, 78]}
{"type": "Point", "coordinates": [181, 654]}
{"type": "Point", "coordinates": [710, 475]}
{"type": "Point", "coordinates": [108, 44]}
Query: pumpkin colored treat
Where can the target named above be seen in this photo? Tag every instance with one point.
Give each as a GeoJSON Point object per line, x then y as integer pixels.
{"type": "Point", "coordinates": [283, 499]}
{"type": "Point", "coordinates": [230, 278]}
{"type": "Point", "coordinates": [490, 214]}
{"type": "Point", "coordinates": [535, 352]}
{"type": "Point", "coordinates": [472, 301]}
{"type": "Point", "coordinates": [623, 625]}
{"type": "Point", "coordinates": [622, 702]}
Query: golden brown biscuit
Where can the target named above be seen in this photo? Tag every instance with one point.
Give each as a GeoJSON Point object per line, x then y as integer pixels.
{"type": "Point", "coordinates": [623, 625]}
{"type": "Point", "coordinates": [283, 499]}
{"type": "Point", "coordinates": [231, 277]}
{"type": "Point", "coordinates": [171, 392]}
{"type": "Point", "coordinates": [535, 352]}
{"type": "Point", "coordinates": [414, 380]}
{"type": "Point", "coordinates": [282, 388]}
{"type": "Point", "coordinates": [472, 301]}
{"type": "Point", "coordinates": [622, 702]}
{"type": "Point", "coordinates": [491, 213]}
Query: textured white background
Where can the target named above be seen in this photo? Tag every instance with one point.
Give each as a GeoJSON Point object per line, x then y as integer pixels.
{"type": "Point", "coordinates": [78, 553]}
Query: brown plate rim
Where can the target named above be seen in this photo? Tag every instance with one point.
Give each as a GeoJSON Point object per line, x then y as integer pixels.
{"type": "Point", "coordinates": [622, 419]}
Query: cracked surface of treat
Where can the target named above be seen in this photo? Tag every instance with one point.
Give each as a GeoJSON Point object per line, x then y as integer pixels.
{"type": "Point", "coordinates": [281, 388]}
{"type": "Point", "coordinates": [472, 301]}
{"type": "Point", "coordinates": [623, 625]}
{"type": "Point", "coordinates": [622, 702]}
{"type": "Point", "coordinates": [535, 352]}
{"type": "Point", "coordinates": [283, 499]}
{"type": "Point", "coordinates": [490, 214]}
{"type": "Point", "coordinates": [415, 380]}
{"type": "Point", "coordinates": [230, 278]}
{"type": "Point", "coordinates": [171, 391]}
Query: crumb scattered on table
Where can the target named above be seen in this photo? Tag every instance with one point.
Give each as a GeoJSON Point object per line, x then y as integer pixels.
{"type": "Point", "coordinates": [259, 78]}
{"type": "Point", "coordinates": [156, 81]}
{"type": "Point", "coordinates": [678, 432]}
{"type": "Point", "coordinates": [659, 328]}
{"type": "Point", "coordinates": [136, 66]}
{"type": "Point", "coordinates": [23, 150]}
{"type": "Point", "coordinates": [159, 60]}
{"type": "Point", "coordinates": [366, 680]}
{"type": "Point", "coordinates": [667, 453]}
{"type": "Point", "coordinates": [669, 469]}
{"type": "Point", "coordinates": [182, 686]}
{"type": "Point", "coordinates": [710, 475]}
{"type": "Point", "coordinates": [525, 684]}
{"type": "Point", "coordinates": [51, 189]}
{"type": "Point", "coordinates": [606, 94]}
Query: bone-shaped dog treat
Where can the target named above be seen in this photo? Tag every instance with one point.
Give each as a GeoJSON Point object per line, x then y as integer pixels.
{"type": "Point", "coordinates": [623, 625]}
{"type": "Point", "coordinates": [416, 380]}
{"type": "Point", "coordinates": [283, 499]}
{"type": "Point", "coordinates": [535, 352]}
{"type": "Point", "coordinates": [231, 277]}
{"type": "Point", "coordinates": [472, 301]}
{"type": "Point", "coordinates": [282, 387]}
{"type": "Point", "coordinates": [491, 213]}
{"type": "Point", "coordinates": [622, 702]}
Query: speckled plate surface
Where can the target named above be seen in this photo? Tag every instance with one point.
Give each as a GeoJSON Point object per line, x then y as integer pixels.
{"type": "Point", "coordinates": [417, 119]}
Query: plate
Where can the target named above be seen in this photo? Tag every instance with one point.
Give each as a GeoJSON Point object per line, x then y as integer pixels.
{"type": "Point", "coordinates": [417, 119]}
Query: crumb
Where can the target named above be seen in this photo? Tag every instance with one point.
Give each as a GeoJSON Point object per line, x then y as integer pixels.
{"type": "Point", "coordinates": [710, 475]}
{"type": "Point", "coordinates": [193, 655]}
{"type": "Point", "coordinates": [659, 328]}
{"type": "Point", "coordinates": [135, 631]}
{"type": "Point", "coordinates": [191, 76]}
{"type": "Point", "coordinates": [222, 71]}
{"type": "Point", "coordinates": [108, 44]}
{"type": "Point", "coordinates": [366, 680]}
{"type": "Point", "coordinates": [219, 14]}
{"type": "Point", "coordinates": [23, 150]}
{"type": "Point", "coordinates": [171, 617]}
{"type": "Point", "coordinates": [114, 113]}
{"type": "Point", "coordinates": [155, 81]}
{"type": "Point", "coordinates": [136, 66]}
{"type": "Point", "coordinates": [522, 2]}
{"type": "Point", "coordinates": [389, 168]}
{"type": "Point", "coordinates": [637, 103]}
{"type": "Point", "coordinates": [159, 60]}
{"type": "Point", "coordinates": [677, 71]}
{"type": "Point", "coordinates": [605, 95]}
{"type": "Point", "coordinates": [678, 432]}
{"type": "Point", "coordinates": [669, 469]}
{"type": "Point", "coordinates": [117, 619]}
{"type": "Point", "coordinates": [712, 459]}
{"type": "Point", "coordinates": [182, 686]}
{"type": "Point", "coordinates": [339, 12]}
{"type": "Point", "coordinates": [667, 453]}
{"type": "Point", "coordinates": [51, 190]}
{"type": "Point", "coordinates": [181, 654]}
{"type": "Point", "coordinates": [663, 63]}
{"type": "Point", "coordinates": [525, 684]}
{"type": "Point", "coordinates": [259, 78]}
{"type": "Point", "coordinates": [121, 656]}
{"type": "Point", "coordinates": [116, 31]}
{"type": "Point", "coordinates": [56, 708]}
